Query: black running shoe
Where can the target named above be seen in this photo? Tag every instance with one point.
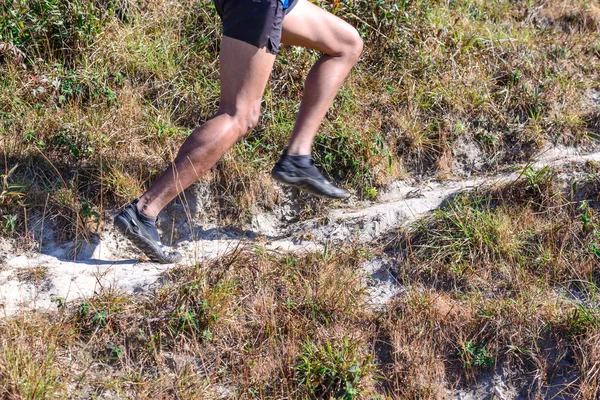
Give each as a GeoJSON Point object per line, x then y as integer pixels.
{"type": "Point", "coordinates": [300, 172]}
{"type": "Point", "coordinates": [142, 232]}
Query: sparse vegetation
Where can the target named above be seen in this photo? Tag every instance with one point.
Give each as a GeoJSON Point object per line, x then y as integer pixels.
{"type": "Point", "coordinates": [498, 278]}
{"type": "Point", "coordinates": [332, 369]}
{"type": "Point", "coordinates": [95, 98]}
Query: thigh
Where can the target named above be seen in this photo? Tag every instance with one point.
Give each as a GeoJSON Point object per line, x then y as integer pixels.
{"type": "Point", "coordinates": [245, 70]}
{"type": "Point", "coordinates": [310, 26]}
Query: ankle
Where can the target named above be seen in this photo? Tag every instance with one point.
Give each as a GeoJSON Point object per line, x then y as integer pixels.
{"type": "Point", "coordinates": [145, 209]}
{"type": "Point", "coordinates": [297, 151]}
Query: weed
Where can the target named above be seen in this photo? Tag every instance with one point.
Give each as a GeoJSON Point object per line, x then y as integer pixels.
{"type": "Point", "coordinates": [113, 351]}
{"type": "Point", "coordinates": [472, 355]}
{"type": "Point", "coordinates": [11, 199]}
{"type": "Point", "coordinates": [61, 302]}
{"type": "Point", "coordinates": [332, 370]}
{"type": "Point", "coordinates": [370, 193]}
{"type": "Point", "coordinates": [10, 222]}
{"type": "Point", "coordinates": [100, 318]}
{"type": "Point", "coordinates": [538, 180]}
{"type": "Point", "coordinates": [185, 320]}
{"type": "Point", "coordinates": [579, 319]}
{"type": "Point", "coordinates": [84, 309]}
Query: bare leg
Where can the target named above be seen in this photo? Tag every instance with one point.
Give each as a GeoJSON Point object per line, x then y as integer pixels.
{"type": "Point", "coordinates": [245, 70]}
{"type": "Point", "coordinates": [310, 26]}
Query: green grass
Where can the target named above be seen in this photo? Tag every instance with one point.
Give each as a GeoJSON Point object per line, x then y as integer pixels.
{"type": "Point", "coordinates": [108, 91]}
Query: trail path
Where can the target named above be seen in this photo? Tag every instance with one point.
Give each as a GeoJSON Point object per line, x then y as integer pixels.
{"type": "Point", "coordinates": [35, 280]}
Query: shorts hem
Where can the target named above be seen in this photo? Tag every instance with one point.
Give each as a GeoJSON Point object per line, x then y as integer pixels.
{"type": "Point", "coordinates": [269, 46]}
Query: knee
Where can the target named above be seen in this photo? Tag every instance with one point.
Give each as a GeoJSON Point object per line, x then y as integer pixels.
{"type": "Point", "coordinates": [354, 45]}
{"type": "Point", "coordinates": [247, 119]}
{"type": "Point", "coordinates": [350, 45]}
{"type": "Point", "coordinates": [243, 119]}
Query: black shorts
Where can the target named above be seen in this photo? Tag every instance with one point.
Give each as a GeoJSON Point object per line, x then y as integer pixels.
{"type": "Point", "coordinates": [257, 22]}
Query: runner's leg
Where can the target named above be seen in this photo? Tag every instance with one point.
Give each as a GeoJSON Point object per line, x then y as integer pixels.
{"type": "Point", "coordinates": [245, 70]}
{"type": "Point", "coordinates": [312, 27]}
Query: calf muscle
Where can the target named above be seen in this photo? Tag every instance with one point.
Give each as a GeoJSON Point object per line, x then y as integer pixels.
{"type": "Point", "coordinates": [244, 74]}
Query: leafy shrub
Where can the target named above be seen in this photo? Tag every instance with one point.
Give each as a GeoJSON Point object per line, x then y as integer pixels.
{"type": "Point", "coordinates": [53, 29]}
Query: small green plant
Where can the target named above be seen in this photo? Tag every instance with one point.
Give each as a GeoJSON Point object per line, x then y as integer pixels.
{"type": "Point", "coordinates": [10, 193]}
{"type": "Point", "coordinates": [188, 320]}
{"type": "Point", "coordinates": [595, 249]}
{"type": "Point", "coordinates": [207, 335]}
{"type": "Point", "coordinates": [370, 193]}
{"type": "Point", "coordinates": [61, 302]}
{"type": "Point", "coordinates": [84, 309]}
{"type": "Point", "coordinates": [488, 140]}
{"type": "Point", "coordinates": [100, 319]}
{"type": "Point", "coordinates": [473, 355]}
{"type": "Point", "coordinates": [333, 370]}
{"type": "Point", "coordinates": [536, 180]}
{"type": "Point", "coordinates": [114, 351]}
{"type": "Point", "coordinates": [185, 321]}
{"type": "Point", "coordinates": [587, 217]}
{"type": "Point", "coordinates": [290, 261]}
{"type": "Point", "coordinates": [516, 77]}
{"type": "Point", "coordinates": [30, 137]}
{"type": "Point", "coordinates": [10, 223]}
{"type": "Point", "coordinates": [586, 214]}
{"type": "Point", "coordinates": [579, 319]}
{"type": "Point", "coordinates": [88, 214]}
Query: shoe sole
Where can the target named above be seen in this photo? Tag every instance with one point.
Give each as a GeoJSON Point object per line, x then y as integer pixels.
{"type": "Point", "coordinates": [304, 184]}
{"type": "Point", "coordinates": [145, 245]}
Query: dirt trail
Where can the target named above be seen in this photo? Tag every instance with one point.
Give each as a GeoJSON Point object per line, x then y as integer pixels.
{"type": "Point", "coordinates": [37, 280]}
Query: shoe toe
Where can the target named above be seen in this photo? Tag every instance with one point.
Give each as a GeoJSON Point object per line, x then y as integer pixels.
{"type": "Point", "coordinates": [174, 257]}
{"type": "Point", "coordinates": [340, 193]}
{"type": "Point", "coordinates": [168, 257]}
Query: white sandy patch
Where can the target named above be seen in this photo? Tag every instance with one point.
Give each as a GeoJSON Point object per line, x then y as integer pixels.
{"type": "Point", "coordinates": [34, 280]}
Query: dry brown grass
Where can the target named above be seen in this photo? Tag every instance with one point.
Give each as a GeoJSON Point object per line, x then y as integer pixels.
{"type": "Point", "coordinates": [240, 323]}
{"type": "Point", "coordinates": [109, 106]}
{"type": "Point", "coordinates": [92, 112]}
{"type": "Point", "coordinates": [505, 279]}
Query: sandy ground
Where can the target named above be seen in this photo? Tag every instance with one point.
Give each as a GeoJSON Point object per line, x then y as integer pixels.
{"type": "Point", "coordinates": [37, 280]}
{"type": "Point", "coordinates": [40, 280]}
